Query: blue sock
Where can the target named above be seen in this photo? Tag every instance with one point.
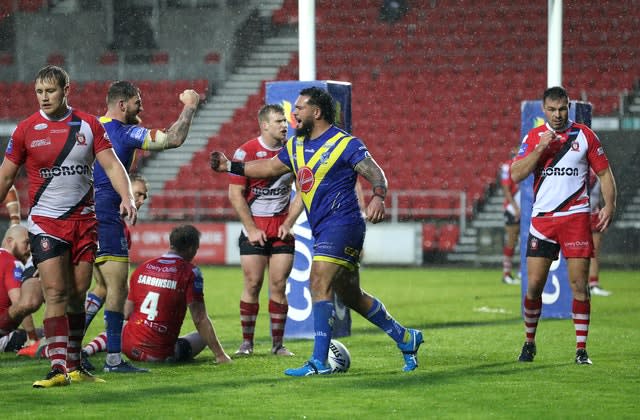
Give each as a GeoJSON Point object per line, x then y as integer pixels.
{"type": "Point", "coordinates": [379, 316]}
{"type": "Point", "coordinates": [323, 316]}
{"type": "Point", "coordinates": [113, 324]}
{"type": "Point", "coordinates": [92, 305]}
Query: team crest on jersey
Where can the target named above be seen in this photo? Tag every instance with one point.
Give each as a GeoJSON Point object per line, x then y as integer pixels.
{"type": "Point", "coordinates": [575, 146]}
{"type": "Point", "coordinates": [81, 140]}
{"type": "Point", "coordinates": [324, 158]}
{"type": "Point", "coordinates": [45, 244]}
{"type": "Point", "coordinates": [306, 179]}
{"type": "Point", "coordinates": [600, 151]}
{"type": "Point", "coordinates": [534, 243]}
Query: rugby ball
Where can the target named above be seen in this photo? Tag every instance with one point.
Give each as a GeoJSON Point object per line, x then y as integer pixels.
{"type": "Point", "coordinates": [339, 357]}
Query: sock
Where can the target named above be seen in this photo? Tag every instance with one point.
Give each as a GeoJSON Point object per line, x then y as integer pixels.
{"type": "Point", "coordinates": [323, 316]}
{"type": "Point", "coordinates": [7, 324]}
{"type": "Point", "coordinates": [581, 314]}
{"type": "Point", "coordinates": [278, 316]}
{"type": "Point", "coordinates": [92, 305]}
{"type": "Point", "coordinates": [96, 345]}
{"type": "Point", "coordinates": [532, 311]}
{"type": "Point", "coordinates": [379, 317]}
{"type": "Point", "coordinates": [248, 315]}
{"type": "Point", "coordinates": [507, 256]}
{"type": "Point", "coordinates": [593, 281]}
{"type": "Point", "coordinates": [56, 329]}
{"type": "Point", "coordinates": [113, 323]}
{"type": "Point", "coordinates": [74, 345]}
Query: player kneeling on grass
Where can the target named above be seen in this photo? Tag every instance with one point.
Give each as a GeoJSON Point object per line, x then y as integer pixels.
{"type": "Point", "coordinates": [160, 290]}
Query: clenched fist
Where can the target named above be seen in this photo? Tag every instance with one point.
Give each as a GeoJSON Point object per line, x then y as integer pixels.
{"type": "Point", "coordinates": [218, 162]}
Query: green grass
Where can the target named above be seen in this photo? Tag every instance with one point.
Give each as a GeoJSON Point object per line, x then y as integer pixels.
{"type": "Point", "coordinates": [468, 366]}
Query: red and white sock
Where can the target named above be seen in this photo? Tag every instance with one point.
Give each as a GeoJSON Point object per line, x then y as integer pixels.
{"type": "Point", "coordinates": [532, 311]}
{"type": "Point", "coordinates": [278, 315]}
{"type": "Point", "coordinates": [76, 333]}
{"type": "Point", "coordinates": [248, 316]}
{"type": "Point", "coordinates": [56, 330]}
{"type": "Point", "coordinates": [507, 264]}
{"type": "Point", "coordinates": [581, 315]}
{"type": "Point", "coordinates": [97, 345]}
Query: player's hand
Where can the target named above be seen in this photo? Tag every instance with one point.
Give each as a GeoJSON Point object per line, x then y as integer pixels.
{"type": "Point", "coordinates": [284, 232]}
{"type": "Point", "coordinates": [375, 210]}
{"type": "Point", "coordinates": [547, 138]}
{"type": "Point", "coordinates": [218, 162]}
{"type": "Point", "coordinates": [257, 237]}
{"type": "Point", "coordinates": [223, 358]}
{"type": "Point", "coordinates": [605, 215]}
{"type": "Point", "coordinates": [128, 211]}
{"type": "Point", "coordinates": [190, 97]}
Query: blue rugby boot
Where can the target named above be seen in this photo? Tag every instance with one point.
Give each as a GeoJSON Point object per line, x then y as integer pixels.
{"type": "Point", "coordinates": [310, 367]}
{"type": "Point", "coordinates": [410, 348]}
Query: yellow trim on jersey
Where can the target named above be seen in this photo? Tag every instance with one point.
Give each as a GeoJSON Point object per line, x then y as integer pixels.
{"type": "Point", "coordinates": [324, 167]}
{"type": "Point", "coordinates": [104, 258]}
{"type": "Point", "coordinates": [104, 119]}
{"type": "Point", "coordinates": [346, 264]}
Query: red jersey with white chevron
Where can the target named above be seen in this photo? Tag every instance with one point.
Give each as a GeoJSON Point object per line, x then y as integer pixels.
{"type": "Point", "coordinates": [514, 187]}
{"type": "Point", "coordinates": [160, 290]}
{"type": "Point", "coordinates": [265, 197]}
{"type": "Point", "coordinates": [58, 156]}
{"type": "Point", "coordinates": [560, 185]}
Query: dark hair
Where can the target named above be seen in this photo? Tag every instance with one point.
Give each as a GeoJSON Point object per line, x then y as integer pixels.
{"type": "Point", "coordinates": [323, 100]}
{"type": "Point", "coordinates": [55, 73]}
{"type": "Point", "coordinates": [136, 177]}
{"type": "Point", "coordinates": [555, 92]}
{"type": "Point", "coordinates": [184, 237]}
{"type": "Point", "coordinates": [265, 110]}
{"type": "Point", "coordinates": [121, 90]}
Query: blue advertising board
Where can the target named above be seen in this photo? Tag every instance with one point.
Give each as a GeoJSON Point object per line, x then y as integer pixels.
{"type": "Point", "coordinates": [557, 297]}
{"type": "Point", "coordinates": [300, 317]}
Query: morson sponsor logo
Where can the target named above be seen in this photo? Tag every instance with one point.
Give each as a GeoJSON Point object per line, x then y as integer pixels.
{"type": "Point", "coordinates": [559, 172]}
{"type": "Point", "coordinates": [283, 190]}
{"type": "Point", "coordinates": [47, 173]}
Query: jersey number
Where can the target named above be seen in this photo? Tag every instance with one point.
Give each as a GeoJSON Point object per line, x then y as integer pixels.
{"type": "Point", "coordinates": [149, 306]}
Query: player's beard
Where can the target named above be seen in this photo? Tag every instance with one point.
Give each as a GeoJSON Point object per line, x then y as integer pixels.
{"type": "Point", "coordinates": [305, 129]}
{"type": "Point", "coordinates": [131, 118]}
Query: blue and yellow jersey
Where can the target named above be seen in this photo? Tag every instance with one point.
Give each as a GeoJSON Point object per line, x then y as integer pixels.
{"type": "Point", "coordinates": [126, 139]}
{"type": "Point", "coordinates": [324, 169]}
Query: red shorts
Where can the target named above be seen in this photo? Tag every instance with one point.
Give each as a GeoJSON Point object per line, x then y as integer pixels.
{"type": "Point", "coordinates": [80, 235]}
{"type": "Point", "coordinates": [571, 234]}
{"type": "Point", "coordinates": [594, 222]}
{"type": "Point", "coordinates": [139, 350]}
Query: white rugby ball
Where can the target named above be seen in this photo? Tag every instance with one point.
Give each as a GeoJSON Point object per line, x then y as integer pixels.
{"type": "Point", "coordinates": [339, 357]}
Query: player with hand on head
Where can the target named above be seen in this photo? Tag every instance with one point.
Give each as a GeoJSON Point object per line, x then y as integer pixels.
{"type": "Point", "coordinates": [266, 242]}
{"type": "Point", "coordinates": [161, 289]}
{"type": "Point", "coordinates": [124, 103]}
{"type": "Point", "coordinates": [13, 255]}
{"type": "Point", "coordinates": [560, 154]}
{"type": "Point", "coordinates": [58, 146]}
{"type": "Point", "coordinates": [326, 161]}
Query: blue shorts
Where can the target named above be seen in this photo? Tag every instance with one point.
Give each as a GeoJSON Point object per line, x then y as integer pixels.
{"type": "Point", "coordinates": [112, 238]}
{"type": "Point", "coordinates": [340, 245]}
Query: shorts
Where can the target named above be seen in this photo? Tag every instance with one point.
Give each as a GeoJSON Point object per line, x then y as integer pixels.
{"type": "Point", "coordinates": [340, 245]}
{"type": "Point", "coordinates": [594, 222]}
{"type": "Point", "coordinates": [51, 238]}
{"type": "Point", "coordinates": [571, 234]}
{"type": "Point", "coordinates": [137, 348]}
{"type": "Point", "coordinates": [112, 232]}
{"type": "Point", "coordinates": [510, 219]}
{"type": "Point", "coordinates": [272, 246]}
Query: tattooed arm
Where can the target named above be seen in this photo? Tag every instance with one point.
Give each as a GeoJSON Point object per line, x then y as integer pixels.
{"type": "Point", "coordinates": [177, 133]}
{"type": "Point", "coordinates": [371, 171]}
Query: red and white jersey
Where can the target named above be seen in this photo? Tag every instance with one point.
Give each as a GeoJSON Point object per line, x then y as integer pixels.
{"type": "Point", "coordinates": [265, 197]}
{"type": "Point", "coordinates": [595, 195]}
{"type": "Point", "coordinates": [10, 277]}
{"type": "Point", "coordinates": [160, 290]}
{"type": "Point", "coordinates": [560, 185]}
{"type": "Point", "coordinates": [514, 188]}
{"type": "Point", "coordinates": [58, 156]}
